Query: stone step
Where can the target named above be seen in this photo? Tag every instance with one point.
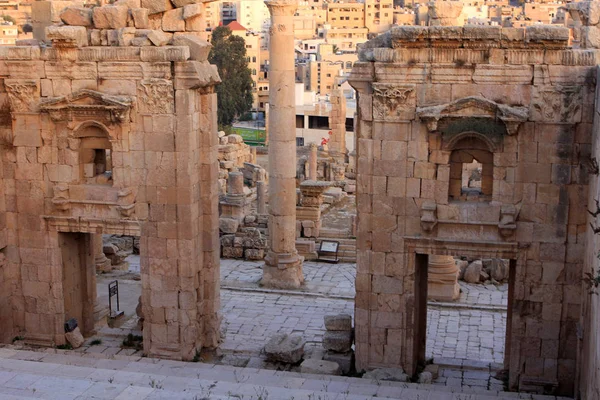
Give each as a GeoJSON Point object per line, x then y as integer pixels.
{"type": "Point", "coordinates": [334, 233]}
{"type": "Point", "coordinates": [67, 374]}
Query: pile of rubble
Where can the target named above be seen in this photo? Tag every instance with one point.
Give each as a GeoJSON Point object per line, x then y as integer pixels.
{"type": "Point", "coordinates": [137, 23]}
{"type": "Point", "coordinates": [488, 271]}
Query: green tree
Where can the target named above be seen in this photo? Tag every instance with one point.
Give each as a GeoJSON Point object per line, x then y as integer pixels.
{"type": "Point", "coordinates": [234, 94]}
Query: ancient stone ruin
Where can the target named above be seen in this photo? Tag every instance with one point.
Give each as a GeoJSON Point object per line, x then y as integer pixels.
{"type": "Point", "coordinates": [103, 132]}
{"type": "Point", "coordinates": [521, 103]}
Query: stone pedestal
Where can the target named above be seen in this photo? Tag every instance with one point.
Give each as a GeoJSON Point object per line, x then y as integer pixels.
{"type": "Point", "coordinates": [442, 279]}
{"type": "Point", "coordinates": [283, 265]}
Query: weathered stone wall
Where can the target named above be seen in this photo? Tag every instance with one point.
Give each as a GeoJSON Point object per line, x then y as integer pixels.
{"type": "Point", "coordinates": [519, 94]}
{"type": "Point", "coordinates": [149, 116]}
{"type": "Point", "coordinates": [589, 349]}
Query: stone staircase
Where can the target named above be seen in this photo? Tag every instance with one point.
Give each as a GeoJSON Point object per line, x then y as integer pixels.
{"type": "Point", "coordinates": [347, 249]}
{"type": "Point", "coordinates": [61, 374]}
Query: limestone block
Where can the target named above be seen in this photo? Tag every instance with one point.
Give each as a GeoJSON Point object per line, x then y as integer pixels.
{"type": "Point", "coordinates": [314, 366]}
{"type": "Point", "coordinates": [235, 139]}
{"type": "Point", "coordinates": [340, 322]}
{"type": "Point", "coordinates": [75, 36]}
{"type": "Point", "coordinates": [192, 10]}
{"type": "Point", "coordinates": [285, 348]}
{"type": "Point", "coordinates": [110, 249]}
{"type": "Point", "coordinates": [172, 21]}
{"type": "Point", "coordinates": [386, 374]}
{"type": "Point", "coordinates": [254, 254]}
{"type": "Point", "coordinates": [344, 360]}
{"type": "Point", "coordinates": [140, 18]}
{"type": "Point", "coordinates": [546, 32]}
{"type": "Point", "coordinates": [159, 38]}
{"type": "Point", "coordinates": [228, 225]}
{"type": "Point", "coordinates": [340, 341]}
{"type": "Point", "coordinates": [141, 41]}
{"type": "Point", "coordinates": [110, 17]}
{"type": "Point", "coordinates": [496, 268]}
{"type": "Point", "coordinates": [590, 36]}
{"type": "Point", "coordinates": [199, 48]}
{"type": "Point", "coordinates": [157, 6]}
{"type": "Point", "coordinates": [125, 36]}
{"type": "Point", "coordinates": [445, 9]}
{"type": "Point", "coordinates": [75, 338]}
{"type": "Point", "coordinates": [233, 252]}
{"type": "Point", "coordinates": [77, 16]}
{"type": "Point", "coordinates": [473, 272]}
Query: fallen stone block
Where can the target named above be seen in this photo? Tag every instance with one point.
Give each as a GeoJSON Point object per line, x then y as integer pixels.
{"type": "Point", "coordinates": [140, 18]}
{"type": "Point", "coordinates": [75, 338]}
{"type": "Point", "coordinates": [320, 367]}
{"type": "Point", "coordinates": [77, 16]}
{"type": "Point", "coordinates": [425, 377]}
{"type": "Point", "coordinates": [199, 48]}
{"type": "Point", "coordinates": [157, 6]}
{"type": "Point", "coordinates": [433, 369]}
{"type": "Point", "coordinates": [285, 348]}
{"type": "Point", "coordinates": [67, 36]}
{"type": "Point", "coordinates": [159, 38]}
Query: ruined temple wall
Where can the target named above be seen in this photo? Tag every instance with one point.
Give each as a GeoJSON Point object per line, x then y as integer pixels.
{"type": "Point", "coordinates": [157, 107]}
{"type": "Point", "coordinates": [589, 350]}
{"type": "Point", "coordinates": [403, 170]}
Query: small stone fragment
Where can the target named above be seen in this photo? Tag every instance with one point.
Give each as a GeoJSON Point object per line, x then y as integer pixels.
{"type": "Point", "coordinates": [425, 377]}
{"type": "Point", "coordinates": [75, 338]}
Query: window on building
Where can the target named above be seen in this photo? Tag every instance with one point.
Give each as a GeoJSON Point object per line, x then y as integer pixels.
{"type": "Point", "coordinates": [95, 160]}
{"type": "Point", "coordinates": [253, 59]}
{"type": "Point", "coordinates": [471, 171]}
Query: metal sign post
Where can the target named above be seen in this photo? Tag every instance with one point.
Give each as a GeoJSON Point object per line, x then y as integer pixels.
{"type": "Point", "coordinates": [113, 290]}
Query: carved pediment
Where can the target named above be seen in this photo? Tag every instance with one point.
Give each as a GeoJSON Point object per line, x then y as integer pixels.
{"type": "Point", "coordinates": [88, 104]}
{"type": "Point", "coordinates": [474, 107]}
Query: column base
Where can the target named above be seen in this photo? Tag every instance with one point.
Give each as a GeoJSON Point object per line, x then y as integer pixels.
{"type": "Point", "coordinates": [283, 271]}
{"type": "Point", "coordinates": [103, 264]}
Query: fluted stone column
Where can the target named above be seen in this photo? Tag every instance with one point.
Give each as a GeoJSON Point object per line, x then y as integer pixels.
{"type": "Point", "coordinates": [443, 279]}
{"type": "Point", "coordinates": [103, 264]}
{"type": "Point", "coordinates": [283, 265]}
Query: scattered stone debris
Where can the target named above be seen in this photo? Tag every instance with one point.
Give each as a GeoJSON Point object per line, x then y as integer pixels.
{"type": "Point", "coordinates": [285, 348]}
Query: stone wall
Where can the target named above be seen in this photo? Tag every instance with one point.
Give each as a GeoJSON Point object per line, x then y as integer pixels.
{"type": "Point", "coordinates": [112, 140]}
{"type": "Point", "coordinates": [589, 346]}
{"type": "Point", "coordinates": [521, 95]}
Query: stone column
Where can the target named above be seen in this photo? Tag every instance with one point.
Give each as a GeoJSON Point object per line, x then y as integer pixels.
{"type": "Point", "coordinates": [337, 122]}
{"type": "Point", "coordinates": [443, 278]}
{"type": "Point", "coordinates": [102, 263]}
{"type": "Point", "coordinates": [283, 265]}
{"type": "Point", "coordinates": [260, 198]}
{"type": "Point", "coordinates": [267, 123]}
{"type": "Point", "coordinates": [312, 163]}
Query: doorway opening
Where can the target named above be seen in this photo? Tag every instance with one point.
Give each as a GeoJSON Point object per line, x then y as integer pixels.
{"type": "Point", "coordinates": [78, 279]}
{"type": "Point", "coordinates": [466, 338]}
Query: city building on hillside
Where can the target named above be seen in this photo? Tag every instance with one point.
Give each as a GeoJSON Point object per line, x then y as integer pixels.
{"type": "Point", "coordinates": [8, 34]}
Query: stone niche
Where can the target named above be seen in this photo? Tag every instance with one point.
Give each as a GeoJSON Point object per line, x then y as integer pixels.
{"type": "Point", "coordinates": [108, 140]}
{"type": "Point", "coordinates": [430, 101]}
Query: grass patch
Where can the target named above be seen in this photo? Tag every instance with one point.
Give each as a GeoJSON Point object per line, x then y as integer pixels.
{"type": "Point", "coordinates": [66, 346]}
{"type": "Point", "coordinates": [96, 342]}
{"type": "Point", "coordinates": [133, 341]}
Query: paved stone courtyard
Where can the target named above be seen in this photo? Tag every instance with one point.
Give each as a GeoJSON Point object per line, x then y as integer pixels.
{"type": "Point", "coordinates": [471, 329]}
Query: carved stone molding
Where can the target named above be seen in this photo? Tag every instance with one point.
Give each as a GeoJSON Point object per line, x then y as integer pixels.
{"type": "Point", "coordinates": [87, 105]}
{"type": "Point", "coordinates": [474, 107]}
{"type": "Point", "coordinates": [121, 200]}
{"type": "Point", "coordinates": [393, 102]}
{"type": "Point", "coordinates": [155, 96]}
{"type": "Point", "coordinates": [428, 216]}
{"type": "Point", "coordinates": [556, 104]}
{"type": "Point", "coordinates": [23, 94]}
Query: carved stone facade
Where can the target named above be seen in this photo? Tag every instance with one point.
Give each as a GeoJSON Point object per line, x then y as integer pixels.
{"type": "Point", "coordinates": [520, 102]}
{"type": "Point", "coordinates": [124, 142]}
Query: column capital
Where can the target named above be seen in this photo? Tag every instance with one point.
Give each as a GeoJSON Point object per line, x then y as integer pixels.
{"type": "Point", "coordinates": [282, 7]}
